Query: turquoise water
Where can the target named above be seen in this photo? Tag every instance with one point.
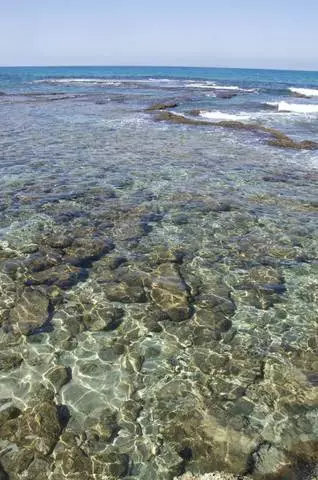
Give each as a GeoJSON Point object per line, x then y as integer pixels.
{"type": "Point", "coordinates": [158, 283]}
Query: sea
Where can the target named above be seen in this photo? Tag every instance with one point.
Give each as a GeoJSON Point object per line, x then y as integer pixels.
{"type": "Point", "coordinates": [158, 273]}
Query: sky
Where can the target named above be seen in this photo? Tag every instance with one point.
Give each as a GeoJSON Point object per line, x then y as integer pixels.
{"type": "Point", "coordinates": [227, 33]}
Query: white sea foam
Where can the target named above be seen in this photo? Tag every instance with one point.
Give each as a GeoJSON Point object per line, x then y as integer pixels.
{"type": "Point", "coordinates": [297, 107]}
{"type": "Point", "coordinates": [214, 86]}
{"type": "Point", "coordinates": [272, 104]}
{"type": "Point", "coordinates": [200, 85]}
{"type": "Point", "coordinates": [306, 92]}
{"type": "Point", "coordinates": [217, 115]}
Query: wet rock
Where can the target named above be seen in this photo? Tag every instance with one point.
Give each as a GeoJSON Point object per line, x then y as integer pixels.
{"type": "Point", "coordinates": [260, 286]}
{"type": "Point", "coordinates": [8, 413]}
{"type": "Point", "coordinates": [59, 241]}
{"type": "Point", "coordinates": [38, 428]}
{"type": "Point", "coordinates": [84, 251]}
{"type": "Point", "coordinates": [104, 427]}
{"type": "Point", "coordinates": [75, 460]}
{"type": "Point", "coordinates": [58, 376]}
{"type": "Point", "coordinates": [161, 106]}
{"type": "Point", "coordinates": [274, 137]}
{"type": "Point", "coordinates": [40, 468]}
{"type": "Point", "coordinates": [42, 261]}
{"type": "Point", "coordinates": [169, 292]}
{"type": "Point", "coordinates": [40, 393]}
{"type": "Point", "coordinates": [111, 463]}
{"type": "Point", "coordinates": [268, 460]}
{"type": "Point", "coordinates": [181, 119]}
{"type": "Point", "coordinates": [100, 317]}
{"type": "Point", "coordinates": [130, 410]}
{"type": "Point", "coordinates": [16, 463]}
{"type": "Point", "coordinates": [10, 361]}
{"type": "Point", "coordinates": [180, 219]}
{"type": "Point", "coordinates": [13, 268]}
{"type": "Point", "coordinates": [165, 254]}
{"type": "Point", "coordinates": [111, 353]}
{"type": "Point", "coordinates": [63, 276]}
{"type": "Point", "coordinates": [123, 293]}
{"type": "Point", "coordinates": [30, 312]}
{"type": "Point", "coordinates": [113, 262]}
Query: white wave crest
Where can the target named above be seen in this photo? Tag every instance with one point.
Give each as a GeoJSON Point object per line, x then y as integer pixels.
{"type": "Point", "coordinates": [200, 85]}
{"type": "Point", "coordinates": [272, 104]}
{"type": "Point", "coordinates": [306, 92]}
{"type": "Point", "coordinates": [297, 107]}
{"type": "Point", "coordinates": [217, 115]}
{"type": "Point", "coordinates": [214, 86]}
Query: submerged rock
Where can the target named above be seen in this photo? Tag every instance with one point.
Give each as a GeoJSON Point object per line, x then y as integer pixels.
{"type": "Point", "coordinates": [63, 276]}
{"type": "Point", "coordinates": [10, 360]}
{"type": "Point", "coordinates": [170, 293]}
{"type": "Point", "coordinates": [37, 428]}
{"type": "Point", "coordinates": [84, 251]}
{"type": "Point", "coordinates": [30, 312]}
{"type": "Point", "coordinates": [58, 376]}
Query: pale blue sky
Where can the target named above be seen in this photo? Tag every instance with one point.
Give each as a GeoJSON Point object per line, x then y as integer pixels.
{"type": "Point", "coordinates": [234, 33]}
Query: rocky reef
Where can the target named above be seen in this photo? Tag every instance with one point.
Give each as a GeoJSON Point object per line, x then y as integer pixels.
{"type": "Point", "coordinates": [125, 356]}
{"type": "Point", "coordinates": [274, 137]}
{"type": "Point", "coordinates": [158, 299]}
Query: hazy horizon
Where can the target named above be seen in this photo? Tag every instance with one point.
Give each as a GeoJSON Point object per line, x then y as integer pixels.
{"type": "Point", "coordinates": [203, 34]}
{"type": "Point", "coordinates": [160, 66]}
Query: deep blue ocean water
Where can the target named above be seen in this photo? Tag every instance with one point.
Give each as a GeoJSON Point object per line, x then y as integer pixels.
{"type": "Point", "coordinates": [158, 278]}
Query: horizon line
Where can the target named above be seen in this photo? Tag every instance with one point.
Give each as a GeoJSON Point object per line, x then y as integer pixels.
{"type": "Point", "coordinates": [158, 66]}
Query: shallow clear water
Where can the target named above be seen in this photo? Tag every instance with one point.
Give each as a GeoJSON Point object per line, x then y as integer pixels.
{"type": "Point", "coordinates": [158, 281]}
